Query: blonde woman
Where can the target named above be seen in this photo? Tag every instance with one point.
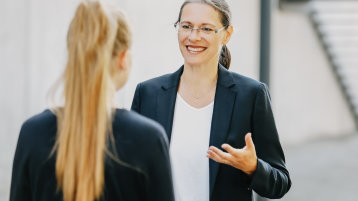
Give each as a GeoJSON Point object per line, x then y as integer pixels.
{"type": "Point", "coordinates": [86, 150]}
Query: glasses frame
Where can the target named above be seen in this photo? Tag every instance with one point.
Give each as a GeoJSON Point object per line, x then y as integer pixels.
{"type": "Point", "coordinates": [215, 31]}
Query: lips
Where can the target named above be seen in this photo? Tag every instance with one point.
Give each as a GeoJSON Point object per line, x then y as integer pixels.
{"type": "Point", "coordinates": [195, 49]}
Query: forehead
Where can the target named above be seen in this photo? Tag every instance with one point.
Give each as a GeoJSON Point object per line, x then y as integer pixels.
{"type": "Point", "coordinates": [200, 13]}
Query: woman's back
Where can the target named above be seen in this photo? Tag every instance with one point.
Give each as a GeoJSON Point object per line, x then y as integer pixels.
{"type": "Point", "coordinates": [142, 172]}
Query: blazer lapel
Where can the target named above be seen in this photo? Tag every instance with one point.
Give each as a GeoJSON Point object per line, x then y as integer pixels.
{"type": "Point", "coordinates": [166, 101]}
{"type": "Point", "coordinates": [223, 107]}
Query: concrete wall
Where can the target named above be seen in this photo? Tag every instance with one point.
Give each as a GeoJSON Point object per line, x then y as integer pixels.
{"type": "Point", "coordinates": [306, 97]}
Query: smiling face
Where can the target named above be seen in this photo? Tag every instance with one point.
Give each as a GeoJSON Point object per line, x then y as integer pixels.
{"type": "Point", "coordinates": [197, 47]}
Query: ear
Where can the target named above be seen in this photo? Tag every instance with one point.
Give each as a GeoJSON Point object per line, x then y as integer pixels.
{"type": "Point", "coordinates": [122, 63]}
{"type": "Point", "coordinates": [228, 33]}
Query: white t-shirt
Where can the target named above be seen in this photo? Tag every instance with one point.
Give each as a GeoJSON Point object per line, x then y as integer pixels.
{"type": "Point", "coordinates": [188, 148]}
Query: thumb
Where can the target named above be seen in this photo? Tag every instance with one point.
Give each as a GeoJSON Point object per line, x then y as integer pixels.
{"type": "Point", "coordinates": [249, 142]}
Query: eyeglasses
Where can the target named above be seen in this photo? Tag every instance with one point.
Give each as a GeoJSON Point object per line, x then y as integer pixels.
{"type": "Point", "coordinates": [203, 30]}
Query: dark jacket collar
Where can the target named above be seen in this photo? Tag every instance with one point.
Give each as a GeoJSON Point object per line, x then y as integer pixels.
{"type": "Point", "coordinates": [224, 78]}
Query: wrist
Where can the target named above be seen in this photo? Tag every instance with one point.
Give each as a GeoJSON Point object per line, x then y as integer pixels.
{"type": "Point", "coordinates": [253, 169]}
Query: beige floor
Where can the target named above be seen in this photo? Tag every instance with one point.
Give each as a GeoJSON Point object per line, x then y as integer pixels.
{"type": "Point", "coordinates": [324, 170]}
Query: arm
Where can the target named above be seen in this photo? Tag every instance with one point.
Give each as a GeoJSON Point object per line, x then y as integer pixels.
{"type": "Point", "coordinates": [271, 178]}
{"type": "Point", "coordinates": [262, 158]}
{"type": "Point", "coordinates": [159, 178]}
{"type": "Point", "coordinates": [20, 184]}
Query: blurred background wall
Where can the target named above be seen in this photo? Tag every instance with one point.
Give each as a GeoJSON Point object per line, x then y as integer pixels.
{"type": "Point", "coordinates": [307, 101]}
{"type": "Point", "coordinates": [306, 95]}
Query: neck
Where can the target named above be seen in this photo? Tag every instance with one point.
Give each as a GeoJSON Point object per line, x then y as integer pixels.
{"type": "Point", "coordinates": [198, 84]}
{"type": "Point", "coordinates": [201, 76]}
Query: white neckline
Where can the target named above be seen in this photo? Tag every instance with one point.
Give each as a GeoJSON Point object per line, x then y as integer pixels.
{"type": "Point", "coordinates": [192, 107]}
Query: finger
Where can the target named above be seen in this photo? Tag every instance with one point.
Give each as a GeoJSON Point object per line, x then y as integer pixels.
{"type": "Point", "coordinates": [229, 149]}
{"type": "Point", "coordinates": [213, 156]}
{"type": "Point", "coordinates": [221, 154]}
{"type": "Point", "coordinates": [249, 142]}
{"type": "Point", "coordinates": [216, 157]}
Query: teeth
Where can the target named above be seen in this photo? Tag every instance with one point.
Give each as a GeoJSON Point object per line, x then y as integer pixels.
{"type": "Point", "coordinates": [196, 49]}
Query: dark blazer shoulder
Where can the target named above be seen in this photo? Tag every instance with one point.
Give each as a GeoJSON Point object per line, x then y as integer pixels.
{"type": "Point", "coordinates": [38, 126]}
{"type": "Point", "coordinates": [39, 121]}
{"type": "Point", "coordinates": [245, 81]}
{"type": "Point", "coordinates": [165, 81]}
{"type": "Point", "coordinates": [242, 83]}
{"type": "Point", "coordinates": [138, 127]}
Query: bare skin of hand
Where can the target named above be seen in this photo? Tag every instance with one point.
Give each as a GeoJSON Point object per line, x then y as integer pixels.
{"type": "Point", "coordinates": [244, 159]}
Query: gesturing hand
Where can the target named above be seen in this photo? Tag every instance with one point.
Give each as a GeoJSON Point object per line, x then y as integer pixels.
{"type": "Point", "coordinates": [244, 159]}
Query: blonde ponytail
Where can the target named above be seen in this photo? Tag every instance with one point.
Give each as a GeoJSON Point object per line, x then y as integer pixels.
{"type": "Point", "coordinates": [94, 39]}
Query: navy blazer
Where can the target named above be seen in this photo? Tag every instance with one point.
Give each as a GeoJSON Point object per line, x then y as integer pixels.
{"type": "Point", "coordinates": [241, 105]}
{"type": "Point", "coordinates": [142, 176]}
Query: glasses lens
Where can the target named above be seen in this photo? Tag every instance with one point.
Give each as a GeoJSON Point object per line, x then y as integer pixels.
{"type": "Point", "coordinates": [206, 30]}
{"type": "Point", "coordinates": [186, 28]}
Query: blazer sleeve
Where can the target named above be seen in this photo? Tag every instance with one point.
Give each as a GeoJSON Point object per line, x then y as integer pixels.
{"type": "Point", "coordinates": [159, 184]}
{"type": "Point", "coordinates": [136, 99]}
{"type": "Point", "coordinates": [271, 178]}
{"type": "Point", "coordinates": [20, 182]}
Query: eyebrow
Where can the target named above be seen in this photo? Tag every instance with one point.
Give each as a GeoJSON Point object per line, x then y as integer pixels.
{"type": "Point", "coordinates": [203, 24]}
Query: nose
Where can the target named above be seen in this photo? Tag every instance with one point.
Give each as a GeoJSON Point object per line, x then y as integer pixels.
{"type": "Point", "coordinates": [194, 35]}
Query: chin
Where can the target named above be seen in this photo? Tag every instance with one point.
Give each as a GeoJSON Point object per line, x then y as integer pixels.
{"type": "Point", "coordinates": [193, 63]}
{"type": "Point", "coordinates": [194, 60]}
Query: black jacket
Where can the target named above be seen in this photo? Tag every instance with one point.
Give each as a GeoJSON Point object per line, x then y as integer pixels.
{"type": "Point", "coordinates": [241, 105]}
{"type": "Point", "coordinates": [139, 141]}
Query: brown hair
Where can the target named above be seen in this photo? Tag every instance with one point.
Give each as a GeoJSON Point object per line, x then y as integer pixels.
{"type": "Point", "coordinates": [224, 10]}
{"type": "Point", "coordinates": [95, 37]}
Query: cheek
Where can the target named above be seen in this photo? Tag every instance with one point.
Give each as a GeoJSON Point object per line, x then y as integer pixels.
{"type": "Point", "coordinates": [217, 43]}
{"type": "Point", "coordinates": [181, 39]}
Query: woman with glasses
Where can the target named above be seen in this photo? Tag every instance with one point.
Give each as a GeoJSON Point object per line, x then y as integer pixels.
{"type": "Point", "coordinates": [87, 150]}
{"type": "Point", "coordinates": [210, 112]}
